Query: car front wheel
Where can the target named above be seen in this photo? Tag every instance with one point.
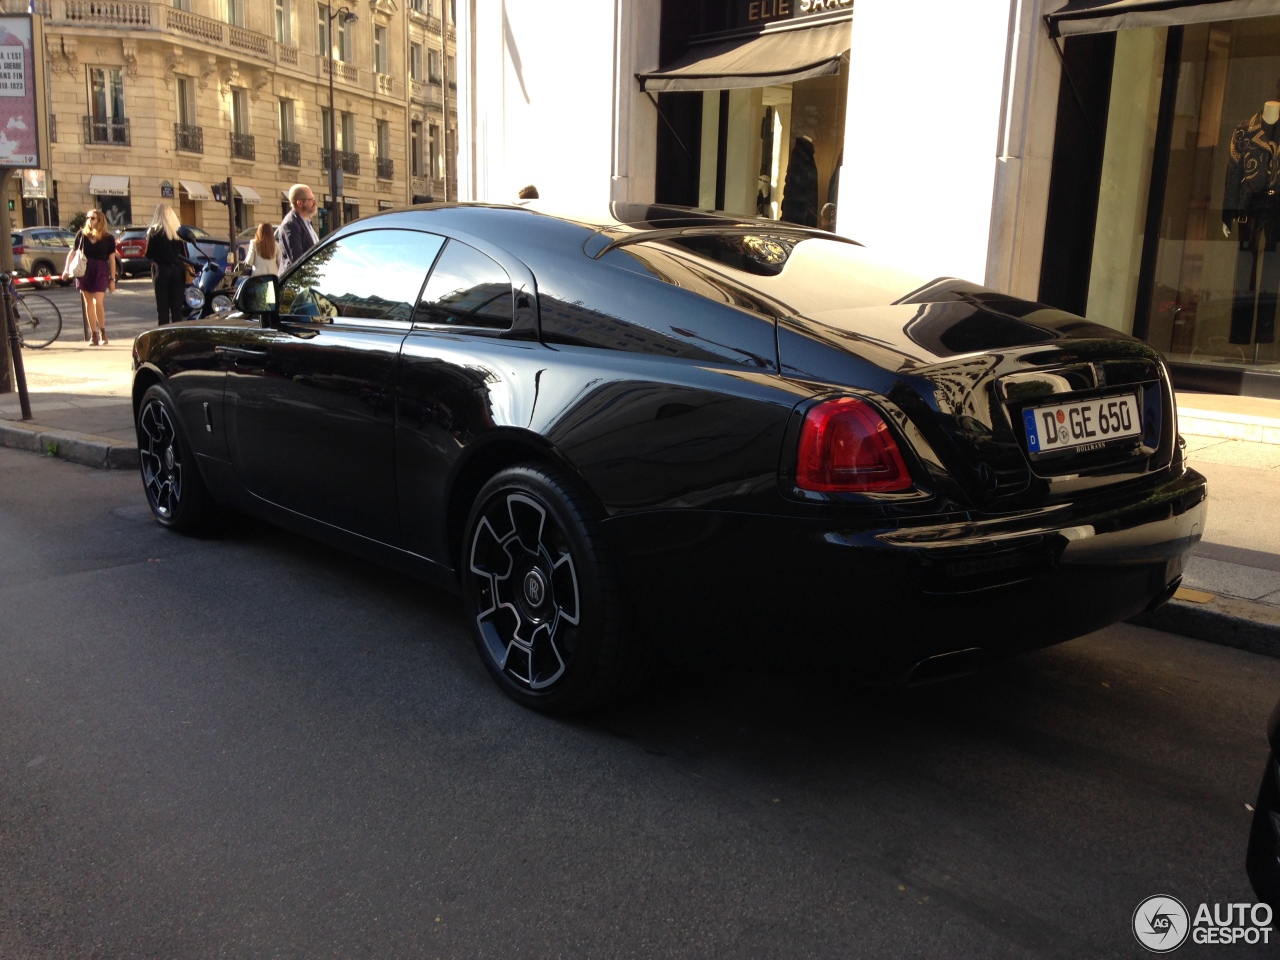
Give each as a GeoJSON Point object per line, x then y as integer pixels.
{"type": "Point", "coordinates": [44, 276]}
{"type": "Point", "coordinates": [541, 594]}
{"type": "Point", "coordinates": [175, 490]}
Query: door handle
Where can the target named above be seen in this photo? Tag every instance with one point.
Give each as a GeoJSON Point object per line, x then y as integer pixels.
{"type": "Point", "coordinates": [236, 353]}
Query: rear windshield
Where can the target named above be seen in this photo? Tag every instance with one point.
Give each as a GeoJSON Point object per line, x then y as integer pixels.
{"type": "Point", "coordinates": [809, 276]}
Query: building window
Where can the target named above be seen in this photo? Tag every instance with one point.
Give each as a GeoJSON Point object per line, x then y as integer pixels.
{"type": "Point", "coordinates": [182, 5]}
{"type": "Point", "coordinates": [433, 151]}
{"type": "Point", "coordinates": [283, 33]}
{"type": "Point", "coordinates": [451, 74]}
{"type": "Point", "coordinates": [186, 102]}
{"type": "Point", "coordinates": [347, 131]}
{"type": "Point", "coordinates": [344, 40]}
{"type": "Point", "coordinates": [433, 66]}
{"type": "Point", "coordinates": [239, 110]}
{"type": "Point", "coordinates": [380, 50]}
{"type": "Point", "coordinates": [384, 139]}
{"type": "Point", "coordinates": [235, 12]}
{"type": "Point", "coordinates": [324, 46]}
{"type": "Point", "coordinates": [415, 148]}
{"type": "Point", "coordinates": [416, 6]}
{"type": "Point", "coordinates": [415, 61]}
{"type": "Point", "coordinates": [287, 130]}
{"type": "Point", "coordinates": [324, 129]}
{"type": "Point", "coordinates": [107, 122]}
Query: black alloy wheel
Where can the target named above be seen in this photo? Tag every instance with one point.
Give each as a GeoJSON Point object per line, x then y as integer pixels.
{"type": "Point", "coordinates": [541, 595]}
{"type": "Point", "coordinates": [175, 490]}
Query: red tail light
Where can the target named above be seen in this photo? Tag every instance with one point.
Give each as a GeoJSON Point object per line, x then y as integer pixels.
{"type": "Point", "coordinates": [18, 250]}
{"type": "Point", "coordinates": [846, 447]}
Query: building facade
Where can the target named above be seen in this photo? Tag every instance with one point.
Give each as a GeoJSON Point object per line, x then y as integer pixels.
{"type": "Point", "coordinates": [152, 101]}
{"type": "Point", "coordinates": [1090, 154]}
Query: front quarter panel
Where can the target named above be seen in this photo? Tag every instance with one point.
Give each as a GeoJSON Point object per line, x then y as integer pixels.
{"type": "Point", "coordinates": [186, 359]}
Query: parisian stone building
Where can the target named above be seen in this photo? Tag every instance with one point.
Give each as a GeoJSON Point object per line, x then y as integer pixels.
{"type": "Point", "coordinates": [151, 101]}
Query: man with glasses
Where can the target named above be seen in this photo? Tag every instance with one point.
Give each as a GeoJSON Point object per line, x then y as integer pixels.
{"type": "Point", "coordinates": [295, 235]}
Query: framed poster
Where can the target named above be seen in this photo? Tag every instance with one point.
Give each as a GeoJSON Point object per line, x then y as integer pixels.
{"type": "Point", "coordinates": [19, 117]}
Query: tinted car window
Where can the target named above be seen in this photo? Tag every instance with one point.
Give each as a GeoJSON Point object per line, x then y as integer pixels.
{"type": "Point", "coordinates": [375, 274]}
{"type": "Point", "coordinates": [467, 289]}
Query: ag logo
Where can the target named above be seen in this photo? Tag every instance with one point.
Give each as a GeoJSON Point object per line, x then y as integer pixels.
{"type": "Point", "coordinates": [1161, 923]}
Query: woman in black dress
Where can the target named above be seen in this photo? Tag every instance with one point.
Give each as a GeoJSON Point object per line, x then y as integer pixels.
{"type": "Point", "coordinates": [99, 248]}
{"type": "Point", "coordinates": [166, 250]}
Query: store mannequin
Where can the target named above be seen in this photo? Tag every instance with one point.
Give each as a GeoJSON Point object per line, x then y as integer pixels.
{"type": "Point", "coordinates": [1251, 199]}
{"type": "Point", "coordinates": [1270, 114]}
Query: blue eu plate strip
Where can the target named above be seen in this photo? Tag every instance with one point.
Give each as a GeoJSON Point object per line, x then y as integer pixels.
{"type": "Point", "coordinates": [1029, 418]}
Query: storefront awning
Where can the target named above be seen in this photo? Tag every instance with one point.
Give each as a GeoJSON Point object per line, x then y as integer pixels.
{"type": "Point", "coordinates": [248, 194]}
{"type": "Point", "coordinates": [195, 190]}
{"type": "Point", "coordinates": [777, 56]}
{"type": "Point", "coordinates": [103, 185]}
{"type": "Point", "coordinates": [1103, 16]}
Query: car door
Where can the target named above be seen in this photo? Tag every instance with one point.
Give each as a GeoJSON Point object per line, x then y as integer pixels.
{"type": "Point", "coordinates": [470, 366]}
{"type": "Point", "coordinates": [310, 403]}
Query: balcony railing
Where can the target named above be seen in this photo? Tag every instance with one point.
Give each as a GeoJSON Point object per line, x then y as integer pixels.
{"type": "Point", "coordinates": [386, 168]}
{"type": "Point", "coordinates": [242, 147]}
{"type": "Point", "coordinates": [290, 153]}
{"type": "Point", "coordinates": [350, 161]}
{"type": "Point", "coordinates": [427, 93]}
{"type": "Point", "coordinates": [159, 17]}
{"type": "Point", "coordinates": [188, 138]}
{"type": "Point", "coordinates": [386, 84]}
{"type": "Point", "coordinates": [346, 72]}
{"type": "Point", "coordinates": [106, 130]}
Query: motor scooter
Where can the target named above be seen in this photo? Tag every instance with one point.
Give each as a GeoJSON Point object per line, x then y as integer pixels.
{"type": "Point", "coordinates": [207, 294]}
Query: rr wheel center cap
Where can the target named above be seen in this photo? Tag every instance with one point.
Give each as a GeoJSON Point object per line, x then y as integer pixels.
{"type": "Point", "coordinates": [534, 589]}
{"type": "Point", "coordinates": [168, 458]}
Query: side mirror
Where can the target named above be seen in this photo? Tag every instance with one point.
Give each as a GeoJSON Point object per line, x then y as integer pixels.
{"type": "Point", "coordinates": [257, 297]}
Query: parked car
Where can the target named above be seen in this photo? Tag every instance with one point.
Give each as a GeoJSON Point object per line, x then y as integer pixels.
{"type": "Point", "coordinates": [618, 436]}
{"type": "Point", "coordinates": [131, 248]}
{"type": "Point", "coordinates": [42, 252]}
{"type": "Point", "coordinates": [1263, 859]}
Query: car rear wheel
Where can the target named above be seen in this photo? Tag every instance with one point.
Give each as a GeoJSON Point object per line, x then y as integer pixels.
{"type": "Point", "coordinates": [175, 490]}
{"type": "Point", "coordinates": [542, 597]}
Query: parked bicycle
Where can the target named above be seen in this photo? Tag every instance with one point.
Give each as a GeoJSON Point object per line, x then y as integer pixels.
{"type": "Point", "coordinates": [39, 319]}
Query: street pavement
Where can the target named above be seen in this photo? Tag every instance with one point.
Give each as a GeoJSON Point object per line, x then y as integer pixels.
{"type": "Point", "coordinates": [81, 411]}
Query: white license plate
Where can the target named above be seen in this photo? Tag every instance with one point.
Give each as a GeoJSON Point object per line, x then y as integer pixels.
{"type": "Point", "coordinates": [1082, 424]}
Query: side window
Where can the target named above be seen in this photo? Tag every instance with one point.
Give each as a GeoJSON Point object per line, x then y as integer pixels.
{"type": "Point", "coordinates": [376, 275]}
{"type": "Point", "coordinates": [467, 289]}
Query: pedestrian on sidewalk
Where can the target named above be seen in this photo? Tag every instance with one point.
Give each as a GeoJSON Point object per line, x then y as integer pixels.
{"type": "Point", "coordinates": [166, 250]}
{"type": "Point", "coordinates": [263, 256]}
{"type": "Point", "coordinates": [295, 235]}
{"type": "Point", "coordinates": [99, 248]}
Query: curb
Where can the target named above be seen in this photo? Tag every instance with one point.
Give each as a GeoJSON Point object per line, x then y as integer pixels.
{"type": "Point", "coordinates": [84, 448]}
{"type": "Point", "coordinates": [1228, 621]}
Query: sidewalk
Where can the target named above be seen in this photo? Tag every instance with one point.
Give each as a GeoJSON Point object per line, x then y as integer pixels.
{"type": "Point", "coordinates": [81, 411]}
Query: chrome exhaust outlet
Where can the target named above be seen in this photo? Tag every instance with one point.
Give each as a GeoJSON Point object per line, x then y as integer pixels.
{"type": "Point", "coordinates": [946, 666]}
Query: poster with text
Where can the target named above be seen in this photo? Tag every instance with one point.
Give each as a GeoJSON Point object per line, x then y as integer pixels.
{"type": "Point", "coordinates": [18, 140]}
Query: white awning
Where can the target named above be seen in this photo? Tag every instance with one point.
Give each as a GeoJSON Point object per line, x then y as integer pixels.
{"type": "Point", "coordinates": [248, 194]}
{"type": "Point", "coordinates": [772, 57]}
{"type": "Point", "coordinates": [1104, 16]}
{"type": "Point", "coordinates": [195, 190]}
{"type": "Point", "coordinates": [104, 185]}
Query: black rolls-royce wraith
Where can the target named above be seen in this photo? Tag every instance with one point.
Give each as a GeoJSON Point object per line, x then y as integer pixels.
{"type": "Point", "coordinates": [621, 436]}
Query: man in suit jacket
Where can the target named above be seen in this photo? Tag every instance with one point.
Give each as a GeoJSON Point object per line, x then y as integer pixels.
{"type": "Point", "coordinates": [295, 235]}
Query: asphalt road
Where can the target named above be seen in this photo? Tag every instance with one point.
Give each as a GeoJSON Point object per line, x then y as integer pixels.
{"type": "Point", "coordinates": [254, 746]}
{"type": "Point", "coordinates": [130, 310]}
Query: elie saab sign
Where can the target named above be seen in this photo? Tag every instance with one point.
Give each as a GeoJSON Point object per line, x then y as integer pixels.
{"type": "Point", "coordinates": [752, 13]}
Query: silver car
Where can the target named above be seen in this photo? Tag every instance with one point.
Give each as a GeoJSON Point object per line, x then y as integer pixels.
{"type": "Point", "coordinates": [41, 252]}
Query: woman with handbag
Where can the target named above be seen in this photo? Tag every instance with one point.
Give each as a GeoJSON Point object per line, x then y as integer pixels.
{"type": "Point", "coordinates": [98, 247]}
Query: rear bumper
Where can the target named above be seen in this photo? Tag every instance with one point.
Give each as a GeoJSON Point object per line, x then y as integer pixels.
{"type": "Point", "coordinates": [885, 598]}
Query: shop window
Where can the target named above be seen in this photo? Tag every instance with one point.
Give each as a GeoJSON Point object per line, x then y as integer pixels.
{"type": "Point", "coordinates": [1188, 239]}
